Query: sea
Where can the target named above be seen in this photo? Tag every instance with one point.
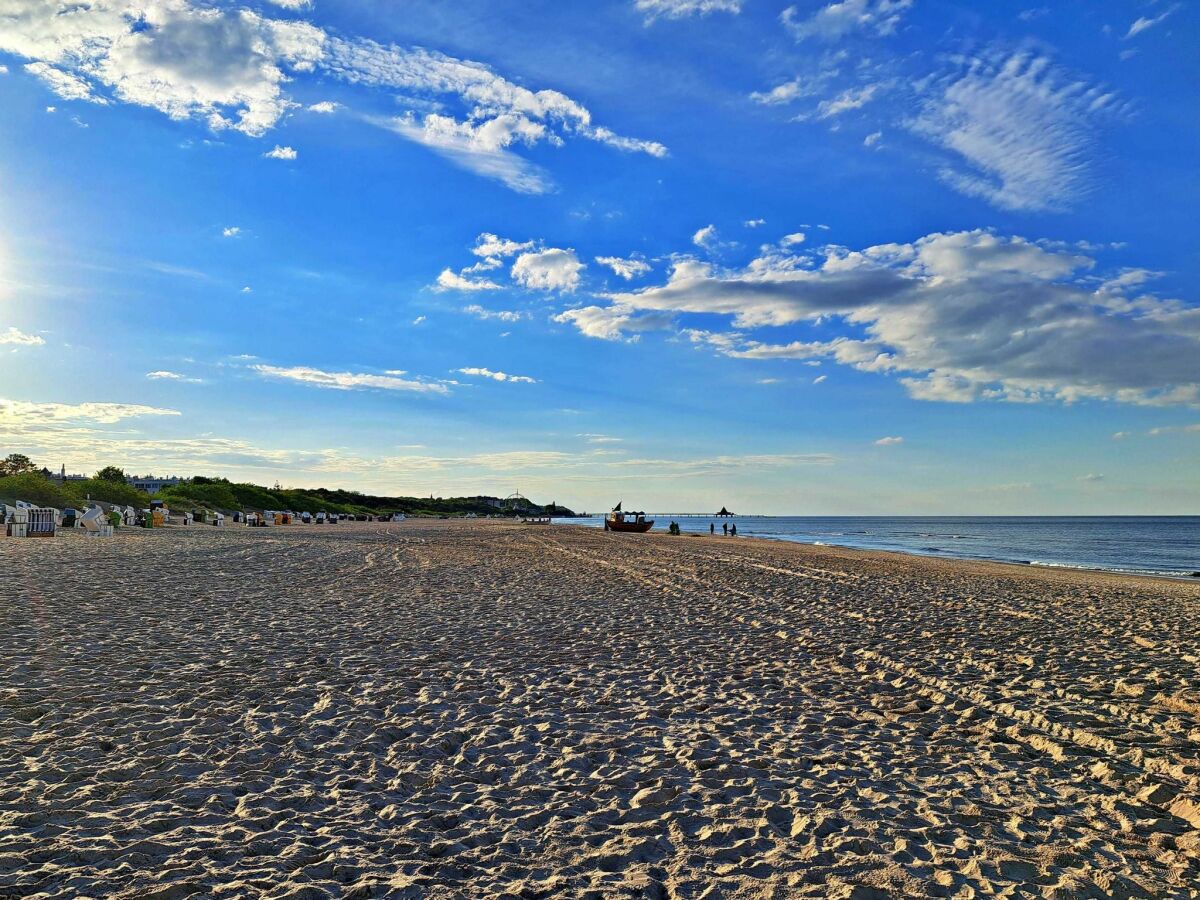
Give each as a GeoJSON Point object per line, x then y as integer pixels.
{"type": "Point", "coordinates": [1139, 545]}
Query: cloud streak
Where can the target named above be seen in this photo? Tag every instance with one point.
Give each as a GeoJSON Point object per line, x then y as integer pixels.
{"type": "Point", "coordinates": [347, 381]}
{"type": "Point", "coordinates": [497, 376]}
{"type": "Point", "coordinates": [680, 9]}
{"type": "Point", "coordinates": [838, 20]}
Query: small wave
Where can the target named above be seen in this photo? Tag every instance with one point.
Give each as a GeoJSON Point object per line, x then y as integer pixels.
{"type": "Point", "coordinates": [1116, 569]}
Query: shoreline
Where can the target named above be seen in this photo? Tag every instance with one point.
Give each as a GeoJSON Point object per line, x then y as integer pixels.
{"type": "Point", "coordinates": [947, 558]}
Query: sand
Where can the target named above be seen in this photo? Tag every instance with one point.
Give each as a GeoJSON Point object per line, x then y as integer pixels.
{"type": "Point", "coordinates": [444, 709]}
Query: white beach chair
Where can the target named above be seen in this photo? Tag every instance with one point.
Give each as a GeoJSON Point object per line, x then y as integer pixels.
{"type": "Point", "coordinates": [95, 523]}
{"type": "Point", "coordinates": [42, 521]}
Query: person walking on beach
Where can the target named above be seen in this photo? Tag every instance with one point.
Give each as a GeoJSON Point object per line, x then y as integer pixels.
{"type": "Point", "coordinates": [712, 528]}
{"type": "Point", "coordinates": [725, 528]}
{"type": "Point", "coordinates": [733, 529]}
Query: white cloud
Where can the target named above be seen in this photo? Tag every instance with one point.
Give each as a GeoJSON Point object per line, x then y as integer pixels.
{"type": "Point", "coordinates": [872, 139]}
{"type": "Point", "coordinates": [498, 115]}
{"type": "Point", "coordinates": [497, 376]}
{"type": "Point", "coordinates": [231, 68]}
{"type": "Point", "coordinates": [600, 438]}
{"type": "Point", "coordinates": [347, 381]}
{"type": "Point", "coordinates": [482, 149]}
{"type": "Point", "coordinates": [707, 237]}
{"type": "Point", "coordinates": [165, 375]}
{"type": "Point", "coordinates": [448, 280]}
{"type": "Point", "coordinates": [754, 223]}
{"type": "Point", "coordinates": [1143, 23]}
{"type": "Point", "coordinates": [889, 441]}
{"type": "Point", "coordinates": [1121, 435]}
{"type": "Point", "coordinates": [18, 414]}
{"type": "Point", "coordinates": [1022, 130]}
{"type": "Point", "coordinates": [854, 98]}
{"type": "Point", "coordinates": [489, 246]}
{"type": "Point", "coordinates": [552, 269]}
{"type": "Point", "coordinates": [1128, 278]}
{"type": "Point", "coordinates": [325, 107]}
{"type": "Point", "coordinates": [791, 240]}
{"type": "Point", "coordinates": [419, 320]}
{"type": "Point", "coordinates": [611, 323]}
{"type": "Point", "coordinates": [231, 231]}
{"type": "Point", "coordinates": [691, 468]}
{"type": "Point", "coordinates": [281, 153]}
{"type": "Point", "coordinates": [1174, 429]}
{"type": "Point", "coordinates": [503, 315]}
{"type": "Point", "coordinates": [293, 4]}
{"type": "Point", "coordinates": [20, 338]}
{"type": "Point", "coordinates": [627, 268]}
{"type": "Point", "coordinates": [819, 379]}
{"type": "Point", "coordinates": [1090, 477]}
{"type": "Point", "coordinates": [840, 19]}
{"type": "Point", "coordinates": [247, 290]}
{"type": "Point", "coordinates": [785, 92]}
{"type": "Point", "coordinates": [226, 66]}
{"type": "Point", "coordinates": [958, 317]}
{"type": "Point", "coordinates": [64, 84]}
{"type": "Point", "coordinates": [678, 9]}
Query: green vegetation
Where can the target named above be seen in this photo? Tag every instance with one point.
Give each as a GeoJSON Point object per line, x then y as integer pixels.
{"type": "Point", "coordinates": [36, 488]}
{"type": "Point", "coordinates": [20, 479]}
{"type": "Point", "coordinates": [223, 494]}
{"type": "Point", "coordinates": [16, 464]}
{"type": "Point", "coordinates": [108, 492]}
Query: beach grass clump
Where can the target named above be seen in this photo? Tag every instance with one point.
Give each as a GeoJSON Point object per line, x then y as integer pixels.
{"type": "Point", "coordinates": [36, 488]}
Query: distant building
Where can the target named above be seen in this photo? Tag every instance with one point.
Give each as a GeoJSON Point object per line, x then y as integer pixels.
{"type": "Point", "coordinates": [152, 484]}
{"type": "Point", "coordinates": [61, 475]}
{"type": "Point", "coordinates": [494, 502]}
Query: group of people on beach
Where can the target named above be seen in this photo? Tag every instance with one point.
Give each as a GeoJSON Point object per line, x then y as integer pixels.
{"type": "Point", "coordinates": [729, 530]}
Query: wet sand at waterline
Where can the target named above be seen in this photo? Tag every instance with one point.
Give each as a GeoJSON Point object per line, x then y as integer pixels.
{"type": "Point", "coordinates": [443, 709]}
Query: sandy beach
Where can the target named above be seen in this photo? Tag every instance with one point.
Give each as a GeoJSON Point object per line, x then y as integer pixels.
{"type": "Point", "coordinates": [481, 709]}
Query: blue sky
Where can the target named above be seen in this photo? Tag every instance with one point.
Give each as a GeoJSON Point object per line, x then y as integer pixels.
{"type": "Point", "coordinates": [869, 256]}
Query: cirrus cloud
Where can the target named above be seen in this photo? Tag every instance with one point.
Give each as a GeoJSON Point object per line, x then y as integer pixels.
{"type": "Point", "coordinates": [346, 381]}
{"type": "Point", "coordinates": [837, 20]}
{"type": "Point", "coordinates": [497, 376]}
{"type": "Point", "coordinates": [1020, 129]}
{"type": "Point", "coordinates": [679, 9]}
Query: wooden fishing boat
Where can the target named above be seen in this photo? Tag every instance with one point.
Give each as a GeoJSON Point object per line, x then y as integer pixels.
{"type": "Point", "coordinates": [635, 522]}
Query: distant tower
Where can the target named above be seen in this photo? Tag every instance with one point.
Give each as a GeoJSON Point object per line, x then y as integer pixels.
{"type": "Point", "coordinates": [62, 475]}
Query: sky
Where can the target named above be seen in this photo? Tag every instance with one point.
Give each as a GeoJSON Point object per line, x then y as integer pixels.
{"type": "Point", "coordinates": [860, 257]}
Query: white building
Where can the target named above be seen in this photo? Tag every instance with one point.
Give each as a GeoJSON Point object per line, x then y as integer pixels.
{"type": "Point", "coordinates": [151, 484]}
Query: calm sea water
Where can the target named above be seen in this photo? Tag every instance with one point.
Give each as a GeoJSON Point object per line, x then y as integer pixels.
{"type": "Point", "coordinates": [1146, 545]}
